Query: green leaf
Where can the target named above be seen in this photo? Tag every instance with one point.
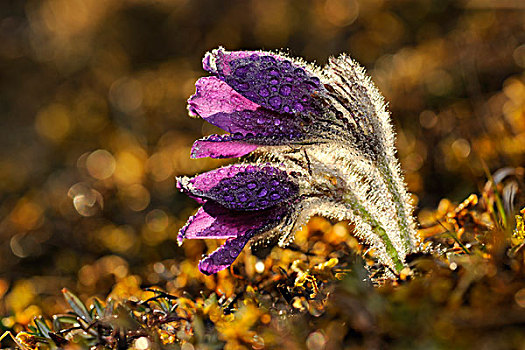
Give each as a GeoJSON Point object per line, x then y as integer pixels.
{"type": "Point", "coordinates": [98, 307]}
{"type": "Point", "coordinates": [77, 305]}
{"type": "Point", "coordinates": [42, 327]}
{"type": "Point", "coordinates": [67, 319]}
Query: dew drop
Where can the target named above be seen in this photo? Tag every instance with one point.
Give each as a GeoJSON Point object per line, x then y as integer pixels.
{"type": "Point", "coordinates": [243, 86]}
{"type": "Point", "coordinates": [263, 192]}
{"type": "Point", "coordinates": [299, 72]}
{"type": "Point", "coordinates": [285, 90]}
{"type": "Point", "coordinates": [274, 81]}
{"type": "Point", "coordinates": [311, 85]}
{"type": "Point", "coordinates": [228, 198]}
{"type": "Point", "coordinates": [251, 185]}
{"type": "Point", "coordinates": [286, 64]}
{"type": "Point", "coordinates": [241, 71]}
{"type": "Point", "coordinates": [242, 197]}
{"type": "Point", "coordinates": [273, 72]}
{"type": "Point", "coordinates": [260, 121]}
{"type": "Point", "coordinates": [237, 136]}
{"type": "Point", "coordinates": [236, 99]}
{"type": "Point", "coordinates": [276, 122]}
{"type": "Point", "coordinates": [275, 102]}
{"type": "Point", "coordinates": [298, 107]}
{"type": "Point", "coordinates": [275, 196]}
{"type": "Point", "coordinates": [286, 109]}
{"type": "Point", "coordinates": [264, 92]}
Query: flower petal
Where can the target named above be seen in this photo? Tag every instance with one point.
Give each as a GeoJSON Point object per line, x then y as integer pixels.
{"type": "Point", "coordinates": [221, 146]}
{"type": "Point", "coordinates": [255, 188]}
{"type": "Point", "coordinates": [247, 225]}
{"type": "Point", "coordinates": [270, 127]}
{"type": "Point", "coordinates": [223, 256]}
{"type": "Point", "coordinates": [204, 226]}
{"type": "Point", "coordinates": [269, 80]}
{"type": "Point", "coordinates": [206, 181]}
{"type": "Point", "coordinates": [213, 95]}
{"type": "Point", "coordinates": [217, 103]}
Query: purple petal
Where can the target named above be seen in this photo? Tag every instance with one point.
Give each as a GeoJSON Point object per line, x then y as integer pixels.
{"type": "Point", "coordinates": [220, 105]}
{"type": "Point", "coordinates": [206, 181]}
{"type": "Point", "coordinates": [223, 256]}
{"type": "Point", "coordinates": [246, 225]}
{"type": "Point", "coordinates": [204, 226]}
{"type": "Point", "coordinates": [269, 80]}
{"type": "Point", "coordinates": [264, 122]}
{"type": "Point", "coordinates": [255, 188]}
{"type": "Point", "coordinates": [213, 96]}
{"type": "Point", "coordinates": [221, 146]}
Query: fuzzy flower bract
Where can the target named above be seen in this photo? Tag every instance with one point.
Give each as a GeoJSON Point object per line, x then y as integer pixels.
{"type": "Point", "coordinates": [312, 141]}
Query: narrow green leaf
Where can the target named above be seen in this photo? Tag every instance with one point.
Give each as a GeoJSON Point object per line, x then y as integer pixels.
{"type": "Point", "coordinates": [98, 307]}
{"type": "Point", "coordinates": [42, 327]}
{"type": "Point", "coordinates": [77, 305]}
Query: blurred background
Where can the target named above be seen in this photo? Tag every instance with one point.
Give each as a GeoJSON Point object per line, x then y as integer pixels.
{"type": "Point", "coordinates": [93, 125]}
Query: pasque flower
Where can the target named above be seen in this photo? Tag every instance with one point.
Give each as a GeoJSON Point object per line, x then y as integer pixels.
{"type": "Point", "coordinates": [312, 142]}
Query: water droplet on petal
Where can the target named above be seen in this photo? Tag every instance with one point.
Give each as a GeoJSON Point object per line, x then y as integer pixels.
{"type": "Point", "coordinates": [273, 72]}
{"type": "Point", "coordinates": [274, 81]}
{"type": "Point", "coordinates": [275, 102]}
{"type": "Point", "coordinates": [251, 185]}
{"type": "Point", "coordinates": [275, 196]}
{"type": "Point", "coordinates": [237, 136]}
{"type": "Point", "coordinates": [276, 122]}
{"type": "Point", "coordinates": [298, 107]}
{"type": "Point", "coordinates": [228, 198]}
{"type": "Point", "coordinates": [285, 90]}
{"type": "Point", "coordinates": [260, 121]}
{"type": "Point", "coordinates": [299, 72]}
{"type": "Point", "coordinates": [241, 71]}
{"type": "Point", "coordinates": [263, 192]}
{"type": "Point", "coordinates": [264, 92]}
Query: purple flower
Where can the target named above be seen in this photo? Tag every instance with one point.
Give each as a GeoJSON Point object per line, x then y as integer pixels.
{"type": "Point", "coordinates": [239, 202]}
{"type": "Point", "coordinates": [320, 143]}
